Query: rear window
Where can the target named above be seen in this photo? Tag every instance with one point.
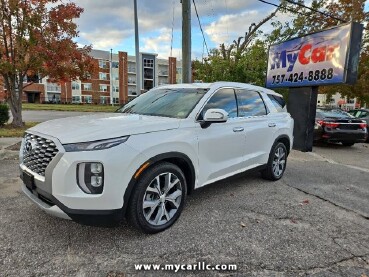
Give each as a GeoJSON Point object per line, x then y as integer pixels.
{"type": "Point", "coordinates": [278, 102]}
{"type": "Point", "coordinates": [332, 113]}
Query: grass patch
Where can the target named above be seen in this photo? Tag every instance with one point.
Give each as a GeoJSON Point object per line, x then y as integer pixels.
{"type": "Point", "coordinates": [8, 131]}
{"type": "Point", "coordinates": [70, 108]}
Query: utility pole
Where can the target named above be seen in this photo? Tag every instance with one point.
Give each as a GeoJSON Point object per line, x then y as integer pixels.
{"type": "Point", "coordinates": [186, 42]}
{"type": "Point", "coordinates": [137, 44]}
{"type": "Point", "coordinates": [111, 77]}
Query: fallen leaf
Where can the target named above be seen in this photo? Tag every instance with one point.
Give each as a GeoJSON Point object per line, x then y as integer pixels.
{"type": "Point", "coordinates": [306, 201]}
{"type": "Point", "coordinates": [243, 224]}
{"type": "Point", "coordinates": [232, 194]}
{"type": "Point", "coordinates": [347, 188]}
{"type": "Point", "coordinates": [293, 221]}
{"type": "Point", "coordinates": [363, 275]}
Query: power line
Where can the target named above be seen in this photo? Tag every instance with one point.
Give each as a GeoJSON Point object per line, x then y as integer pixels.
{"type": "Point", "coordinates": [280, 6]}
{"type": "Point", "coordinates": [316, 11]}
{"type": "Point", "coordinates": [198, 18]}
{"type": "Point", "coordinates": [301, 5]}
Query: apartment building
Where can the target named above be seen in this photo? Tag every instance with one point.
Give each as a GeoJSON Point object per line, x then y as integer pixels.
{"type": "Point", "coordinates": [114, 82]}
{"type": "Point", "coordinates": [338, 101]}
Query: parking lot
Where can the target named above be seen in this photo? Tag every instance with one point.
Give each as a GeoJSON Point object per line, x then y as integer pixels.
{"type": "Point", "coordinates": [313, 222]}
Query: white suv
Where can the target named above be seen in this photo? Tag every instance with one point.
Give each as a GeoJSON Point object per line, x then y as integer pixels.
{"type": "Point", "coordinates": [143, 160]}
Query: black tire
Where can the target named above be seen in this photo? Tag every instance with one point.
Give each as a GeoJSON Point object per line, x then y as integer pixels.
{"type": "Point", "coordinates": [348, 143]}
{"type": "Point", "coordinates": [137, 214]}
{"type": "Point", "coordinates": [269, 173]}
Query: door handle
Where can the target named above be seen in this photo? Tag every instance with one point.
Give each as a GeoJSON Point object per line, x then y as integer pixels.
{"type": "Point", "coordinates": [238, 129]}
{"type": "Point", "coordinates": [272, 124]}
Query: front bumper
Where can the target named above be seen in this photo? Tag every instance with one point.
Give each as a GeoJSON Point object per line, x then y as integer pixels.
{"type": "Point", "coordinates": [58, 193]}
{"type": "Point", "coordinates": [49, 209]}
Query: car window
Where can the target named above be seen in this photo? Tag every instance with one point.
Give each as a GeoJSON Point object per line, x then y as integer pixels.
{"type": "Point", "coordinates": [250, 103]}
{"type": "Point", "coordinates": [333, 113]}
{"type": "Point", "coordinates": [278, 102]}
{"type": "Point", "coordinates": [354, 113]}
{"type": "Point", "coordinates": [174, 102]}
{"type": "Point", "coordinates": [362, 114]}
{"type": "Point", "coordinates": [223, 99]}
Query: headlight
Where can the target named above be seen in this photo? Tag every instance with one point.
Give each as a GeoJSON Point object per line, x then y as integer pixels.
{"type": "Point", "coordinates": [94, 145]}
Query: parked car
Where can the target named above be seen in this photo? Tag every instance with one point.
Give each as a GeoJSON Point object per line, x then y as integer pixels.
{"type": "Point", "coordinates": [363, 114]}
{"type": "Point", "coordinates": [142, 161]}
{"type": "Point", "coordinates": [334, 125]}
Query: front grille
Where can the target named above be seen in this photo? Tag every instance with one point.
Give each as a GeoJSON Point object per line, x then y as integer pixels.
{"type": "Point", "coordinates": [38, 152]}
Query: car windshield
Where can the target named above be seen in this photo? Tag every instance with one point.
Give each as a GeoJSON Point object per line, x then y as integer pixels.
{"type": "Point", "coordinates": [335, 113]}
{"type": "Point", "coordinates": [173, 102]}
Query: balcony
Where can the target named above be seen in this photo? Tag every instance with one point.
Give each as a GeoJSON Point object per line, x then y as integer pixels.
{"type": "Point", "coordinates": [53, 89]}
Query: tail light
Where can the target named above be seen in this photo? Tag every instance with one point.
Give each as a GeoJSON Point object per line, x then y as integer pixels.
{"type": "Point", "coordinates": [331, 125]}
{"type": "Point", "coordinates": [362, 125]}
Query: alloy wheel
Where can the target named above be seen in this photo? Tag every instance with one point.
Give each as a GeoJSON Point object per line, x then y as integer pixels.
{"type": "Point", "coordinates": [162, 199]}
{"type": "Point", "coordinates": [279, 161]}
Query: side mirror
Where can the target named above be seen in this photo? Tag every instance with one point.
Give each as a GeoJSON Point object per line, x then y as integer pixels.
{"type": "Point", "coordinates": [215, 116]}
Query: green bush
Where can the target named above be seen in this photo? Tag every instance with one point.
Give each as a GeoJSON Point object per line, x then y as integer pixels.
{"type": "Point", "coordinates": [4, 114]}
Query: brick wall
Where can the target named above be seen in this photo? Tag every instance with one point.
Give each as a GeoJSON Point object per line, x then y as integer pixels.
{"type": "Point", "coordinates": [123, 77]}
{"type": "Point", "coordinates": [172, 70]}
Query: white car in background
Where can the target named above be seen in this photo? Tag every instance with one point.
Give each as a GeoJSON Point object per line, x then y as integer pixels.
{"type": "Point", "coordinates": [142, 161]}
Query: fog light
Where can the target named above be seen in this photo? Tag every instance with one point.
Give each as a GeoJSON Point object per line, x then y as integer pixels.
{"type": "Point", "coordinates": [96, 181]}
{"type": "Point", "coordinates": [90, 177]}
{"type": "Point", "coordinates": [96, 168]}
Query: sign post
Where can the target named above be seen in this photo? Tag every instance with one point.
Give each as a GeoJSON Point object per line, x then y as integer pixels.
{"type": "Point", "coordinates": [304, 63]}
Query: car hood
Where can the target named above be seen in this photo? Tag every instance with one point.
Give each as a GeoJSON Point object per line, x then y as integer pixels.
{"type": "Point", "coordinates": [103, 126]}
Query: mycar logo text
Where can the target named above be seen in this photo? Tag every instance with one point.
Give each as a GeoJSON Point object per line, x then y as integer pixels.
{"type": "Point", "coordinates": [307, 53]}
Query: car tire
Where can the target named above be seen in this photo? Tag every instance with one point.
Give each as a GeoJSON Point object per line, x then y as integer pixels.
{"type": "Point", "coordinates": [276, 163]}
{"type": "Point", "coordinates": [158, 198]}
{"type": "Point", "coordinates": [348, 143]}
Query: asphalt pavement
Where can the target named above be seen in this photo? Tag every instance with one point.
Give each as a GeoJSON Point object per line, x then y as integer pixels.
{"type": "Point", "coordinates": [313, 222]}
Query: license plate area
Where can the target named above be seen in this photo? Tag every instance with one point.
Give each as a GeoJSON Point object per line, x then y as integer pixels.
{"type": "Point", "coordinates": [29, 180]}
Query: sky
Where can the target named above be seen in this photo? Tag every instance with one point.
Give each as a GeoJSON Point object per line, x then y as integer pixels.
{"type": "Point", "coordinates": [109, 24]}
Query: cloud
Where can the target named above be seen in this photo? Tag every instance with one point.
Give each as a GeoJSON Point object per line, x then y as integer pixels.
{"type": "Point", "coordinates": [159, 43]}
{"type": "Point", "coordinates": [230, 27]}
{"type": "Point", "coordinates": [105, 39]}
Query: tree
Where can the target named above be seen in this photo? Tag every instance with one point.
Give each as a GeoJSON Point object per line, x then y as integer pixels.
{"type": "Point", "coordinates": [36, 36]}
{"type": "Point", "coordinates": [245, 60]}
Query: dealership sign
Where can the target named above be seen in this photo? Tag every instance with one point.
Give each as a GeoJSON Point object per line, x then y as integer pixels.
{"type": "Point", "coordinates": [324, 58]}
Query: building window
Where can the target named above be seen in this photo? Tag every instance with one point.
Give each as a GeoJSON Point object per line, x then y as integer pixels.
{"type": "Point", "coordinates": [115, 100]}
{"type": "Point", "coordinates": [87, 99]}
{"type": "Point", "coordinates": [104, 100]}
{"type": "Point", "coordinates": [75, 86]}
{"type": "Point", "coordinates": [33, 78]}
{"type": "Point", "coordinates": [103, 76]}
{"type": "Point", "coordinates": [115, 89]}
{"type": "Point", "coordinates": [148, 73]}
{"type": "Point", "coordinates": [131, 69]}
{"type": "Point", "coordinates": [149, 63]}
{"type": "Point", "coordinates": [103, 88]}
{"type": "Point", "coordinates": [351, 101]}
{"type": "Point", "coordinates": [115, 77]}
{"type": "Point", "coordinates": [115, 64]}
{"type": "Point", "coordinates": [53, 98]}
{"type": "Point", "coordinates": [87, 86]}
{"type": "Point", "coordinates": [76, 99]}
{"type": "Point", "coordinates": [102, 64]}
